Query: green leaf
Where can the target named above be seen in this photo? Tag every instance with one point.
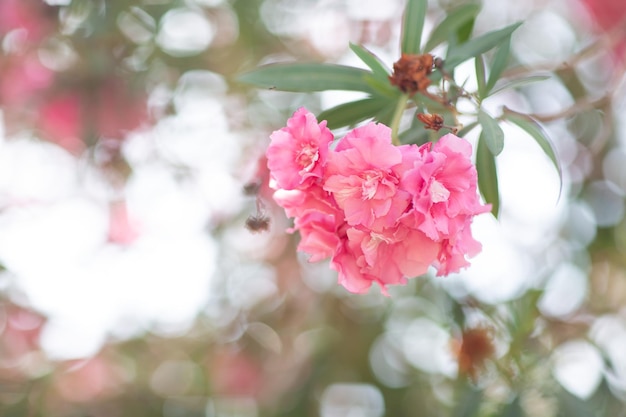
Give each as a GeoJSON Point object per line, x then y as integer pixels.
{"type": "Point", "coordinates": [492, 132]}
{"type": "Point", "coordinates": [472, 48]}
{"type": "Point", "coordinates": [465, 31]}
{"type": "Point", "coordinates": [379, 69]}
{"type": "Point", "coordinates": [536, 132]}
{"type": "Point", "coordinates": [349, 114]}
{"type": "Point", "coordinates": [487, 175]}
{"type": "Point", "coordinates": [454, 20]}
{"type": "Point", "coordinates": [519, 82]}
{"type": "Point", "coordinates": [298, 77]}
{"type": "Point", "coordinates": [500, 59]}
{"type": "Point", "coordinates": [479, 63]}
{"type": "Point", "coordinates": [412, 25]}
{"type": "Point", "coordinates": [382, 87]}
{"type": "Point", "coordinates": [469, 404]}
{"type": "Point", "coordinates": [513, 409]}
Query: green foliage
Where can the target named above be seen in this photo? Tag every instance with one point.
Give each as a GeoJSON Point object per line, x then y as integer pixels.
{"type": "Point", "coordinates": [474, 47]}
{"type": "Point", "coordinates": [351, 113]}
{"type": "Point", "coordinates": [492, 132]}
{"type": "Point", "coordinates": [298, 77]}
{"type": "Point", "coordinates": [413, 25]}
{"type": "Point", "coordinates": [487, 175]}
{"type": "Point", "coordinates": [448, 27]}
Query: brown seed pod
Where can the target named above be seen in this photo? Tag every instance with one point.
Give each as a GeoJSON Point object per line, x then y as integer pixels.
{"type": "Point", "coordinates": [431, 121]}
{"type": "Point", "coordinates": [410, 73]}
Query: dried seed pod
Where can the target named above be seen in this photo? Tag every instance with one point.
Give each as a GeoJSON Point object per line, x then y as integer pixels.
{"type": "Point", "coordinates": [410, 73]}
{"type": "Point", "coordinates": [431, 121]}
{"type": "Point", "coordinates": [258, 223]}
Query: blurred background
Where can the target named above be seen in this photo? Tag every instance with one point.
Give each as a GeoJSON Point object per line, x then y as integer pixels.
{"type": "Point", "coordinates": [131, 159]}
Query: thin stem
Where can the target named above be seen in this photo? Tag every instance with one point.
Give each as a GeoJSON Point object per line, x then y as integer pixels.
{"type": "Point", "coordinates": [397, 117]}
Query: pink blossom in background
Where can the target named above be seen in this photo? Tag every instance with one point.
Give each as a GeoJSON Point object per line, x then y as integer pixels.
{"type": "Point", "coordinates": [22, 78]}
{"type": "Point", "coordinates": [298, 151]}
{"type": "Point", "coordinates": [608, 15]}
{"type": "Point", "coordinates": [122, 229]}
{"type": "Point", "coordinates": [381, 213]}
{"type": "Point", "coordinates": [61, 121]}
{"type": "Point", "coordinates": [119, 109]}
{"type": "Point", "coordinates": [72, 117]}
{"type": "Point", "coordinates": [32, 17]}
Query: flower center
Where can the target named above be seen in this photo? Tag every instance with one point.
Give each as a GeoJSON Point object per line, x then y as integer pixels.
{"type": "Point", "coordinates": [369, 186]}
{"type": "Point", "coordinates": [438, 192]}
{"type": "Point", "coordinates": [307, 157]}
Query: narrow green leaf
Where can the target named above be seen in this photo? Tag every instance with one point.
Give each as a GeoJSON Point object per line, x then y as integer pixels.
{"type": "Point", "coordinates": [500, 59]}
{"type": "Point", "coordinates": [492, 132]}
{"type": "Point", "coordinates": [454, 20]}
{"type": "Point", "coordinates": [376, 65]}
{"type": "Point", "coordinates": [472, 48]}
{"type": "Point", "coordinates": [412, 25]}
{"type": "Point", "coordinates": [479, 63]}
{"type": "Point", "coordinates": [382, 88]}
{"type": "Point", "coordinates": [487, 175]}
{"type": "Point", "coordinates": [349, 114]}
{"type": "Point", "coordinates": [465, 31]}
{"type": "Point", "coordinates": [536, 132]}
{"type": "Point", "coordinates": [519, 82]}
{"type": "Point", "coordinates": [307, 77]}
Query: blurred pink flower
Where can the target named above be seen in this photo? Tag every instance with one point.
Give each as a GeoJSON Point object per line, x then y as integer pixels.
{"type": "Point", "coordinates": [33, 17]}
{"type": "Point", "coordinates": [609, 15]}
{"type": "Point", "coordinates": [363, 174]}
{"type": "Point", "coordinates": [20, 334]}
{"type": "Point", "coordinates": [122, 230]}
{"type": "Point", "coordinates": [235, 374]}
{"type": "Point", "coordinates": [606, 13]}
{"type": "Point", "coordinates": [298, 151]}
{"type": "Point", "coordinates": [61, 121]}
{"type": "Point", "coordinates": [119, 109]}
{"type": "Point", "coordinates": [22, 78]}
{"type": "Point", "coordinates": [72, 117]}
{"type": "Point", "coordinates": [89, 379]}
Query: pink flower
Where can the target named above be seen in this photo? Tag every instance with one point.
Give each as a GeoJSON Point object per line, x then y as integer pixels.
{"type": "Point", "coordinates": [609, 15]}
{"type": "Point", "coordinates": [443, 186]}
{"type": "Point", "coordinates": [382, 213]}
{"type": "Point", "coordinates": [387, 258]}
{"type": "Point", "coordinates": [317, 218]}
{"type": "Point", "coordinates": [297, 153]}
{"type": "Point", "coordinates": [363, 177]}
{"type": "Point", "coordinates": [454, 250]}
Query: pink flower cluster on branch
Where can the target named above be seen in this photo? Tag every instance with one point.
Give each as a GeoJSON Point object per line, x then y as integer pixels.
{"type": "Point", "coordinates": [381, 213]}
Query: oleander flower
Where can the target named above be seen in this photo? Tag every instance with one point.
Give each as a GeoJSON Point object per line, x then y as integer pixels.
{"type": "Point", "coordinates": [297, 152]}
{"type": "Point", "coordinates": [443, 185]}
{"type": "Point", "coordinates": [387, 258]}
{"type": "Point", "coordinates": [381, 213]}
{"type": "Point", "coordinates": [363, 174]}
{"type": "Point", "coordinates": [316, 217]}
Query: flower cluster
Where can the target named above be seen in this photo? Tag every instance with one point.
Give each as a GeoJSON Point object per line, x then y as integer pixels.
{"type": "Point", "coordinates": [380, 212]}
